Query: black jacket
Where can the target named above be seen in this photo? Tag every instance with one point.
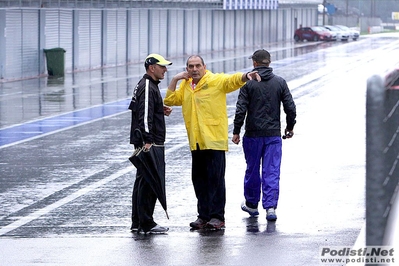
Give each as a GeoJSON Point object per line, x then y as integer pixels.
{"type": "Point", "coordinates": [260, 102]}
{"type": "Point", "coordinates": [147, 113]}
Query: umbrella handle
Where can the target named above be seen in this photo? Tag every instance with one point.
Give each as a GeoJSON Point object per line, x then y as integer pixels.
{"type": "Point", "coordinates": [139, 135]}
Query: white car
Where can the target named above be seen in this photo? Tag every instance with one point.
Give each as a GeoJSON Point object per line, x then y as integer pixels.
{"type": "Point", "coordinates": [341, 34]}
{"type": "Point", "coordinates": [353, 34]}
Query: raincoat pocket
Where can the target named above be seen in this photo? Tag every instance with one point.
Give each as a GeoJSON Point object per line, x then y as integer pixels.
{"type": "Point", "coordinates": [212, 122]}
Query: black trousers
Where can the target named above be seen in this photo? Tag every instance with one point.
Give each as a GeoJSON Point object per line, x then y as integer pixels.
{"type": "Point", "coordinates": [144, 197]}
{"type": "Point", "coordinates": [208, 171]}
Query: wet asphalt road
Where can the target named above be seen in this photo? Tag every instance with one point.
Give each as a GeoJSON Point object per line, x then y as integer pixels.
{"type": "Point", "coordinates": [65, 194]}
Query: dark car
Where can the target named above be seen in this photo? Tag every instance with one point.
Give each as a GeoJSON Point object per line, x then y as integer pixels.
{"type": "Point", "coordinates": [313, 34]}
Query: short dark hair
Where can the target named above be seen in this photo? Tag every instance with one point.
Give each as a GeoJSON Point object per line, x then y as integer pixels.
{"type": "Point", "coordinates": [261, 56]}
{"type": "Point", "coordinates": [195, 55]}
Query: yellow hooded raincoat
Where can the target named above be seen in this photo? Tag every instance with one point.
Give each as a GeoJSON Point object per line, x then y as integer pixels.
{"type": "Point", "coordinates": [204, 108]}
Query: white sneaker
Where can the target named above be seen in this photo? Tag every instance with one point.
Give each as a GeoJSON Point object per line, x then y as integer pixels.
{"type": "Point", "coordinates": [158, 230]}
{"type": "Point", "coordinates": [251, 211]}
{"type": "Point", "coordinates": [271, 214]}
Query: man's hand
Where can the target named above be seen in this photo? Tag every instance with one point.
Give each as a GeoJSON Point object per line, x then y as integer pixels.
{"type": "Point", "coordinates": [288, 134]}
{"type": "Point", "coordinates": [147, 146]}
{"type": "Point", "coordinates": [236, 138]}
{"type": "Point", "coordinates": [176, 78]}
{"type": "Point", "coordinates": [167, 110]}
{"type": "Point", "coordinates": [182, 75]}
{"type": "Point", "coordinates": [252, 76]}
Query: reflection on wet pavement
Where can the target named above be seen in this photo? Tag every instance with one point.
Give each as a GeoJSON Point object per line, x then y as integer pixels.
{"type": "Point", "coordinates": [66, 196]}
{"type": "Point", "coordinates": [26, 100]}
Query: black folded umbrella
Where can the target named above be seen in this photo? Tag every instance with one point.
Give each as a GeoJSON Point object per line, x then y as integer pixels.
{"type": "Point", "coordinates": [146, 160]}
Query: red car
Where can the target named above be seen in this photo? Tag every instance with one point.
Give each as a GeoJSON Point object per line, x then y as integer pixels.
{"type": "Point", "coordinates": [313, 34]}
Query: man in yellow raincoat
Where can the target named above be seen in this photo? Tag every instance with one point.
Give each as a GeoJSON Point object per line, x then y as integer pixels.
{"type": "Point", "coordinates": [202, 95]}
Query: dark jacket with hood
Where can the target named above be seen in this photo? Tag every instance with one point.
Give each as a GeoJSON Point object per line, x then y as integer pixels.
{"type": "Point", "coordinates": [259, 103]}
{"type": "Point", "coordinates": [147, 113]}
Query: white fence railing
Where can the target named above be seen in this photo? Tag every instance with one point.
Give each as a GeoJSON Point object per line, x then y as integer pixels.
{"type": "Point", "coordinates": [382, 159]}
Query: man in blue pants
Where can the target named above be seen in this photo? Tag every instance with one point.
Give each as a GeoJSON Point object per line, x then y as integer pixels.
{"type": "Point", "coordinates": [259, 105]}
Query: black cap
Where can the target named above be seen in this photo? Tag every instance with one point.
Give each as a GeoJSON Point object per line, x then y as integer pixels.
{"type": "Point", "coordinates": [261, 56]}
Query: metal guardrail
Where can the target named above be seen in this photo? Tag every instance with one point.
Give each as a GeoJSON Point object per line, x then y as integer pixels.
{"type": "Point", "coordinates": [382, 159]}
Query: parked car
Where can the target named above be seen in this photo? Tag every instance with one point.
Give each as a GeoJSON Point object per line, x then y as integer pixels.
{"type": "Point", "coordinates": [315, 33]}
{"type": "Point", "coordinates": [341, 34]}
{"type": "Point", "coordinates": [353, 34]}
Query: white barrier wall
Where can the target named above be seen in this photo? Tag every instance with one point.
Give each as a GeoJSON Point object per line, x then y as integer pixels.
{"type": "Point", "coordinates": [95, 38]}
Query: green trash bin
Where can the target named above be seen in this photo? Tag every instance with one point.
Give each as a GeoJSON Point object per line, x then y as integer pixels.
{"type": "Point", "coordinates": [55, 59]}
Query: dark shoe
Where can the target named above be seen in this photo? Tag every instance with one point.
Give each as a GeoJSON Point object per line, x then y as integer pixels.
{"type": "Point", "coordinates": [158, 230]}
{"type": "Point", "coordinates": [198, 224]}
{"type": "Point", "coordinates": [134, 228]}
{"type": "Point", "coordinates": [271, 214]}
{"type": "Point", "coordinates": [215, 223]}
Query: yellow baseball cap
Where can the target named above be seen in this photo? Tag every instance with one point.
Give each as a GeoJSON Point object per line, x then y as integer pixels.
{"type": "Point", "coordinates": [153, 59]}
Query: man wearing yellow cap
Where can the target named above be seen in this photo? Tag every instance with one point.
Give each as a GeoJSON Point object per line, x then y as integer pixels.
{"type": "Point", "coordinates": [148, 113]}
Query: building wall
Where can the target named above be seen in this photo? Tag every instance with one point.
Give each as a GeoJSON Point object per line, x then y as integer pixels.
{"type": "Point", "coordinates": [95, 38]}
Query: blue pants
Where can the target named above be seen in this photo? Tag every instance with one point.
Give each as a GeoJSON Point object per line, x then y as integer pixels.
{"type": "Point", "coordinates": [266, 151]}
